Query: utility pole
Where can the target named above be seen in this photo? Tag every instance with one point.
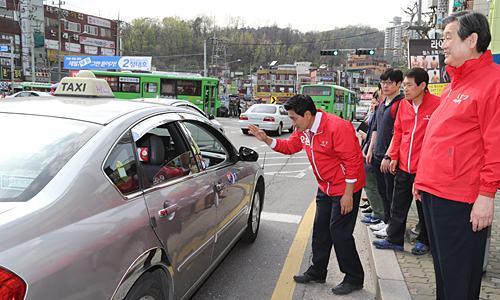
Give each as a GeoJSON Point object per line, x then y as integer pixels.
{"type": "Point", "coordinates": [60, 45]}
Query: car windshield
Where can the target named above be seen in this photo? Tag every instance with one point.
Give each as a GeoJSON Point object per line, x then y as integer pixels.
{"type": "Point", "coordinates": [263, 109]}
{"type": "Point", "coordinates": [34, 149]}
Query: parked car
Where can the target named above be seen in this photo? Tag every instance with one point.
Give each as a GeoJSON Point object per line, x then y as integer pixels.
{"type": "Point", "coordinates": [116, 199]}
{"type": "Point", "coordinates": [29, 94]}
{"type": "Point", "coordinates": [361, 112]}
{"type": "Point", "coordinates": [268, 117]}
{"type": "Point", "coordinates": [188, 105]}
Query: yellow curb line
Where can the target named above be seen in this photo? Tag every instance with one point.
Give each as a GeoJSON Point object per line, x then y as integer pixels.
{"type": "Point", "coordinates": [286, 285]}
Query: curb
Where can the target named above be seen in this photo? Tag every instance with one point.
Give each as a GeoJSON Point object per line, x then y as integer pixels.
{"type": "Point", "coordinates": [388, 279]}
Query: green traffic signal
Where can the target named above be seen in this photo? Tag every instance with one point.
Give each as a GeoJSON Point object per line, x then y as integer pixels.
{"type": "Point", "coordinates": [365, 51]}
{"type": "Point", "coordinates": [328, 52]}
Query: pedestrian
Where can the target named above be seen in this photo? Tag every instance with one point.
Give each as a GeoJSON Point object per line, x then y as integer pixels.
{"type": "Point", "coordinates": [231, 107]}
{"type": "Point", "coordinates": [379, 150]}
{"type": "Point", "coordinates": [459, 169]}
{"type": "Point", "coordinates": [3, 94]}
{"type": "Point", "coordinates": [409, 129]}
{"type": "Point", "coordinates": [335, 154]}
{"type": "Point", "coordinates": [377, 208]}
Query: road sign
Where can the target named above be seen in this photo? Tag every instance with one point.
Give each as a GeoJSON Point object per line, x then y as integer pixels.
{"type": "Point", "coordinates": [274, 99]}
{"type": "Point", "coordinates": [4, 48]}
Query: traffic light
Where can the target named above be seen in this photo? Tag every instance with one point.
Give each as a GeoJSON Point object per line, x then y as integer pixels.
{"type": "Point", "coordinates": [329, 52]}
{"type": "Point", "coordinates": [365, 51]}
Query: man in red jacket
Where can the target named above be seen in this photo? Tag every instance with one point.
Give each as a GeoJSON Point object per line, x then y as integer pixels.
{"type": "Point", "coordinates": [459, 169]}
{"type": "Point", "coordinates": [335, 155]}
{"type": "Point", "coordinates": [409, 129]}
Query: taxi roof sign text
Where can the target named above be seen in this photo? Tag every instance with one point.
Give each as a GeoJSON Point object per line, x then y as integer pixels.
{"type": "Point", "coordinates": [84, 84]}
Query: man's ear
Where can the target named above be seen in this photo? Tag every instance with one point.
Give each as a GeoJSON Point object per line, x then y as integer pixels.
{"type": "Point", "coordinates": [473, 40]}
{"type": "Point", "coordinates": [307, 115]}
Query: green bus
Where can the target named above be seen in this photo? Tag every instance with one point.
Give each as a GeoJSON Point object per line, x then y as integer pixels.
{"type": "Point", "coordinates": [28, 86]}
{"type": "Point", "coordinates": [333, 99]}
{"type": "Point", "coordinates": [202, 91]}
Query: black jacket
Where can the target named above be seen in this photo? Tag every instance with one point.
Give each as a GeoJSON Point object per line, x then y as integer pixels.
{"type": "Point", "coordinates": [384, 126]}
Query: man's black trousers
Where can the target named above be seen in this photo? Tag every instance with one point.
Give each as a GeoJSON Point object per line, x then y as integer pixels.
{"type": "Point", "coordinates": [333, 228]}
{"type": "Point", "coordinates": [457, 251]}
{"type": "Point", "coordinates": [401, 203]}
{"type": "Point", "coordinates": [385, 186]}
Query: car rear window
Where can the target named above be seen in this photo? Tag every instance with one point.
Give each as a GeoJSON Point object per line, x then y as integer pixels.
{"type": "Point", "coordinates": [264, 109]}
{"type": "Point", "coordinates": [34, 149]}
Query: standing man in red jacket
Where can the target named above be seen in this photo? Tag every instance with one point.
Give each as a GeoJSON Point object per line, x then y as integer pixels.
{"type": "Point", "coordinates": [335, 155]}
{"type": "Point", "coordinates": [409, 128]}
{"type": "Point", "coordinates": [459, 169]}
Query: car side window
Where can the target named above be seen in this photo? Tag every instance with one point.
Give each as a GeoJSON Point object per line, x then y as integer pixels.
{"type": "Point", "coordinates": [164, 156]}
{"type": "Point", "coordinates": [121, 166]}
{"type": "Point", "coordinates": [212, 151]}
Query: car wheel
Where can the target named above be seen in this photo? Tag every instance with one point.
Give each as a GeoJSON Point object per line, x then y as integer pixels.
{"type": "Point", "coordinates": [254, 218]}
{"type": "Point", "coordinates": [280, 129]}
{"type": "Point", "coordinates": [245, 131]}
{"type": "Point", "coordinates": [148, 287]}
{"type": "Point", "coordinates": [292, 129]}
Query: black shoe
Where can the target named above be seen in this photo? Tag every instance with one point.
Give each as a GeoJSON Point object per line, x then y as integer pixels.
{"type": "Point", "coordinates": [367, 210]}
{"type": "Point", "coordinates": [305, 278]}
{"type": "Point", "coordinates": [364, 205]}
{"type": "Point", "coordinates": [346, 288]}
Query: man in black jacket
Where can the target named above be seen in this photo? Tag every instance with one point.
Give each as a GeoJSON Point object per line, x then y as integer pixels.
{"type": "Point", "coordinates": [378, 152]}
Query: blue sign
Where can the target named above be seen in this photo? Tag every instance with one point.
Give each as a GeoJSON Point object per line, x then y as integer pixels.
{"type": "Point", "coordinates": [77, 62]}
{"type": "Point", "coordinates": [4, 48]}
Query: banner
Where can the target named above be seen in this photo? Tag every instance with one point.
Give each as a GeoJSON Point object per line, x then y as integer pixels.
{"type": "Point", "coordinates": [427, 54]}
{"type": "Point", "coordinates": [142, 63]}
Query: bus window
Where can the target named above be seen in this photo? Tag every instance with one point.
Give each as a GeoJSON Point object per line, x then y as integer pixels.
{"type": "Point", "coordinates": [150, 88]}
{"type": "Point", "coordinates": [317, 91]}
{"type": "Point", "coordinates": [112, 81]}
{"type": "Point", "coordinates": [130, 87]}
{"type": "Point", "coordinates": [189, 87]}
{"type": "Point", "coordinates": [167, 87]}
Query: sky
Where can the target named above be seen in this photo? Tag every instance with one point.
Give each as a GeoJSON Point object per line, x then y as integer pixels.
{"type": "Point", "coordinates": [320, 16]}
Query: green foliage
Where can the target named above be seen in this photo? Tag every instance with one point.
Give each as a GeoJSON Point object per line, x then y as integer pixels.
{"type": "Point", "coordinates": [175, 43]}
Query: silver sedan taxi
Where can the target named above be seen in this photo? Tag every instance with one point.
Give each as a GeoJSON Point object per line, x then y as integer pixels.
{"type": "Point", "coordinates": [268, 117]}
{"type": "Point", "coordinates": [114, 199]}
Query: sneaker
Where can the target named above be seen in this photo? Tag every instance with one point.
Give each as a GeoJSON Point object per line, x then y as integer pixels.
{"type": "Point", "coordinates": [420, 249]}
{"type": "Point", "coordinates": [381, 234]}
{"type": "Point", "coordinates": [364, 204]}
{"type": "Point", "coordinates": [379, 226]}
{"type": "Point", "coordinates": [371, 221]}
{"type": "Point", "coordinates": [367, 215]}
{"type": "Point", "coordinates": [367, 210]}
{"type": "Point", "coordinates": [384, 244]}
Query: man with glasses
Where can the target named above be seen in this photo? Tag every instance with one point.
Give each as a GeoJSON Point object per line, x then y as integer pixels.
{"type": "Point", "coordinates": [379, 149]}
{"type": "Point", "coordinates": [459, 169]}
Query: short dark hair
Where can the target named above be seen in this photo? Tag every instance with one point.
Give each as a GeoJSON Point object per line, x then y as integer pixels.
{"type": "Point", "coordinates": [300, 104]}
{"type": "Point", "coordinates": [392, 74]}
{"type": "Point", "coordinates": [375, 95]}
{"type": "Point", "coordinates": [470, 22]}
{"type": "Point", "coordinates": [419, 75]}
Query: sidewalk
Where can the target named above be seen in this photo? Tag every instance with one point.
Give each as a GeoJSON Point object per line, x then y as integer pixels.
{"type": "Point", "coordinates": [402, 275]}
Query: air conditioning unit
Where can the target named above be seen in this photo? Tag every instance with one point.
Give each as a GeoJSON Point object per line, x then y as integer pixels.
{"type": "Point", "coordinates": [75, 37]}
{"type": "Point", "coordinates": [52, 33]}
{"type": "Point", "coordinates": [65, 35]}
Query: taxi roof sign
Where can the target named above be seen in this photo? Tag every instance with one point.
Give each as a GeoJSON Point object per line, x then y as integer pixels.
{"type": "Point", "coordinates": [84, 84]}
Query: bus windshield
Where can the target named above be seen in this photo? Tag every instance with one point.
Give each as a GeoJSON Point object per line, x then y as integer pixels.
{"type": "Point", "coordinates": [317, 91]}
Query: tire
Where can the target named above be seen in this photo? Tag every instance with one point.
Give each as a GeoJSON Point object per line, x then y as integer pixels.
{"type": "Point", "coordinates": [254, 218]}
{"type": "Point", "coordinates": [280, 130]}
{"type": "Point", "coordinates": [148, 287]}
{"type": "Point", "coordinates": [292, 129]}
{"type": "Point", "coordinates": [245, 131]}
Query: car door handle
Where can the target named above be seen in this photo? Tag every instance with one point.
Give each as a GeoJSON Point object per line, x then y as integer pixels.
{"type": "Point", "coordinates": [169, 209]}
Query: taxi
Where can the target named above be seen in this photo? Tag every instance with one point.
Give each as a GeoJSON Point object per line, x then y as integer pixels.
{"type": "Point", "coordinates": [115, 199]}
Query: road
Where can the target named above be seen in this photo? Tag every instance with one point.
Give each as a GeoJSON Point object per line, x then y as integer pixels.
{"type": "Point", "coordinates": [264, 269]}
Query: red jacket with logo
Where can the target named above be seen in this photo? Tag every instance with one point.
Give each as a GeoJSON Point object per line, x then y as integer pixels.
{"type": "Point", "coordinates": [409, 130]}
{"type": "Point", "coordinates": [461, 151]}
{"type": "Point", "coordinates": [334, 153]}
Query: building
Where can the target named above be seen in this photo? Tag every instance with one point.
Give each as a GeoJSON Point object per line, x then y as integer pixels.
{"type": "Point", "coordinates": [280, 82]}
{"type": "Point", "coordinates": [394, 38]}
{"type": "Point", "coordinates": [80, 34]}
{"type": "Point", "coordinates": [10, 34]}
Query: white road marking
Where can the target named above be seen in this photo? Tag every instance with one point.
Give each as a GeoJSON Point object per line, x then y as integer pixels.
{"type": "Point", "coordinates": [285, 218]}
{"type": "Point", "coordinates": [300, 173]}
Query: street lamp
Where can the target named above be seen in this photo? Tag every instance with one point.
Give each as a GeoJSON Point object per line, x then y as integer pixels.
{"type": "Point", "coordinates": [227, 69]}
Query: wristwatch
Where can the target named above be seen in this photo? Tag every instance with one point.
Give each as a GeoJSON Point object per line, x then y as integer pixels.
{"type": "Point", "coordinates": [387, 157]}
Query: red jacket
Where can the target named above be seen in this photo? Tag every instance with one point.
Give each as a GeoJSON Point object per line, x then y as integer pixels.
{"type": "Point", "coordinates": [461, 151]}
{"type": "Point", "coordinates": [409, 130]}
{"type": "Point", "coordinates": [334, 153]}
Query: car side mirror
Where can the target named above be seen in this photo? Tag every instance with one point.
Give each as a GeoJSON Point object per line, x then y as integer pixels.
{"type": "Point", "coordinates": [211, 117]}
{"type": "Point", "coordinates": [247, 154]}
